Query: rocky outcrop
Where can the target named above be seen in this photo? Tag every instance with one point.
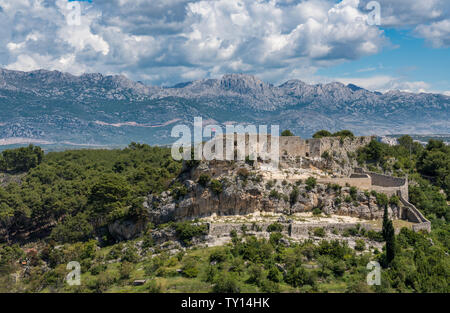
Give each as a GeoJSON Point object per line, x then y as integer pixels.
{"type": "Point", "coordinates": [244, 195]}
{"type": "Point", "coordinates": [125, 230]}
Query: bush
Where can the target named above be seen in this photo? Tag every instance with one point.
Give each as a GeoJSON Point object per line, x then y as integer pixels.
{"type": "Point", "coordinates": [97, 269]}
{"type": "Point", "coordinates": [226, 283]}
{"type": "Point", "coordinates": [275, 238]}
{"type": "Point", "coordinates": [319, 232]}
{"type": "Point", "coordinates": [311, 183]}
{"type": "Point", "coordinates": [270, 184]}
{"type": "Point", "coordinates": [188, 230]}
{"type": "Point", "coordinates": [338, 268]}
{"type": "Point", "coordinates": [148, 242]}
{"type": "Point", "coordinates": [293, 196]}
{"type": "Point", "coordinates": [353, 192]}
{"type": "Point", "coordinates": [204, 179]}
{"type": "Point", "coordinates": [274, 274]}
{"type": "Point", "coordinates": [326, 155]}
{"type": "Point", "coordinates": [180, 192]}
{"type": "Point", "coordinates": [322, 133]}
{"type": "Point", "coordinates": [216, 186]}
{"type": "Point", "coordinates": [73, 229]}
{"type": "Point", "coordinates": [274, 194]}
{"type": "Point", "coordinates": [382, 199]}
{"type": "Point", "coordinates": [394, 200]}
{"type": "Point", "coordinates": [153, 287]}
{"type": "Point", "coordinates": [375, 236]}
{"type": "Point", "coordinates": [219, 255]}
{"type": "Point", "coordinates": [286, 133]}
{"type": "Point", "coordinates": [275, 227]}
{"type": "Point", "coordinates": [256, 275]}
{"type": "Point", "coordinates": [360, 245]}
{"type": "Point", "coordinates": [269, 286]}
{"type": "Point", "coordinates": [343, 133]}
{"type": "Point", "coordinates": [130, 254]}
{"type": "Point", "coordinates": [126, 268]}
{"type": "Point", "coordinates": [298, 276]}
{"type": "Point", "coordinates": [21, 159]}
{"type": "Point", "coordinates": [190, 270]}
{"type": "Point", "coordinates": [317, 211]}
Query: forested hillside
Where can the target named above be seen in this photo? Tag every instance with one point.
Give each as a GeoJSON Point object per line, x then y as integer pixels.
{"type": "Point", "coordinates": [56, 208]}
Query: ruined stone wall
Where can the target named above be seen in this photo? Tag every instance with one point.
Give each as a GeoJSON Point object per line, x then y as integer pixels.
{"type": "Point", "coordinates": [298, 147]}
{"type": "Point", "coordinates": [297, 230]}
{"type": "Point", "coordinates": [414, 215]}
{"type": "Point", "coordinates": [290, 229]}
{"type": "Point", "coordinates": [314, 147]}
{"type": "Point", "coordinates": [336, 146]}
{"type": "Point", "coordinates": [363, 183]}
{"type": "Point", "coordinates": [388, 184]}
{"type": "Point", "coordinates": [224, 229]}
{"type": "Point", "coordinates": [293, 146]}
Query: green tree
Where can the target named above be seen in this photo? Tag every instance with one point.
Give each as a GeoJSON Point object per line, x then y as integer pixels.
{"type": "Point", "coordinates": [286, 133]}
{"type": "Point", "coordinates": [389, 237]}
{"type": "Point", "coordinates": [343, 133]}
{"type": "Point", "coordinates": [293, 196]}
{"type": "Point", "coordinates": [204, 179]}
{"type": "Point", "coordinates": [322, 133]}
{"type": "Point", "coordinates": [311, 183]}
{"type": "Point", "coordinates": [21, 159]}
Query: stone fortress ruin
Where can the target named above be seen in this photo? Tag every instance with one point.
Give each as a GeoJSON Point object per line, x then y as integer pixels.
{"type": "Point", "coordinates": [331, 160]}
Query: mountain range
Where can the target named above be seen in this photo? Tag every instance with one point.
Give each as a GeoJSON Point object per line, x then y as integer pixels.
{"type": "Point", "coordinates": [94, 109]}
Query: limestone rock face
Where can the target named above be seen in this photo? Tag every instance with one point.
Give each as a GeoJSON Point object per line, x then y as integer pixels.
{"type": "Point", "coordinates": [244, 195]}
{"type": "Point", "coordinates": [125, 230]}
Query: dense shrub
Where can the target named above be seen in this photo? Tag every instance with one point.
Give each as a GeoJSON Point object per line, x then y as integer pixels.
{"type": "Point", "coordinates": [226, 283]}
{"type": "Point", "coordinates": [286, 133]}
{"type": "Point", "coordinates": [73, 229]}
{"type": "Point", "coordinates": [216, 186]}
{"type": "Point", "coordinates": [204, 179]}
{"type": "Point", "coordinates": [188, 230]}
{"type": "Point", "coordinates": [319, 232]}
{"type": "Point", "coordinates": [311, 183]}
{"type": "Point", "coordinates": [21, 159]}
{"type": "Point", "coordinates": [275, 227]}
{"type": "Point", "coordinates": [274, 194]}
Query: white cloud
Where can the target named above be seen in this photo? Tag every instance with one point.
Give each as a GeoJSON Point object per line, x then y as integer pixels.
{"type": "Point", "coordinates": [385, 83]}
{"type": "Point", "coordinates": [179, 39]}
{"type": "Point", "coordinates": [168, 41]}
{"type": "Point", "coordinates": [429, 19]}
{"type": "Point", "coordinates": [438, 33]}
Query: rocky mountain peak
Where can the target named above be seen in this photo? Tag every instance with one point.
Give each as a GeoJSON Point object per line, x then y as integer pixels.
{"type": "Point", "coordinates": [242, 83]}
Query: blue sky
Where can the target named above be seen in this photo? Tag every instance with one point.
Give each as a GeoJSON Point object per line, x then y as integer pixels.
{"type": "Point", "coordinates": [408, 58]}
{"type": "Point", "coordinates": [163, 42]}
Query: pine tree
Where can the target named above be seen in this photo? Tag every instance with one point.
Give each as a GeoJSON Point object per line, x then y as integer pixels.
{"type": "Point", "coordinates": [389, 236]}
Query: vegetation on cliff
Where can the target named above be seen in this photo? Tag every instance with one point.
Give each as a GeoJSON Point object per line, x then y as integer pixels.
{"type": "Point", "coordinates": [81, 191]}
{"type": "Point", "coordinates": [60, 209]}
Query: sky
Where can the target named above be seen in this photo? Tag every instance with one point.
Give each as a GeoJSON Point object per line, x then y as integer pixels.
{"type": "Point", "coordinates": [163, 42]}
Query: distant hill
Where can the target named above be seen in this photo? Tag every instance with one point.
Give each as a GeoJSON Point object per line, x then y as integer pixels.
{"type": "Point", "coordinates": [93, 109]}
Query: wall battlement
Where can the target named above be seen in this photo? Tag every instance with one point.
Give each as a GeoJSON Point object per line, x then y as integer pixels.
{"type": "Point", "coordinates": [296, 146]}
